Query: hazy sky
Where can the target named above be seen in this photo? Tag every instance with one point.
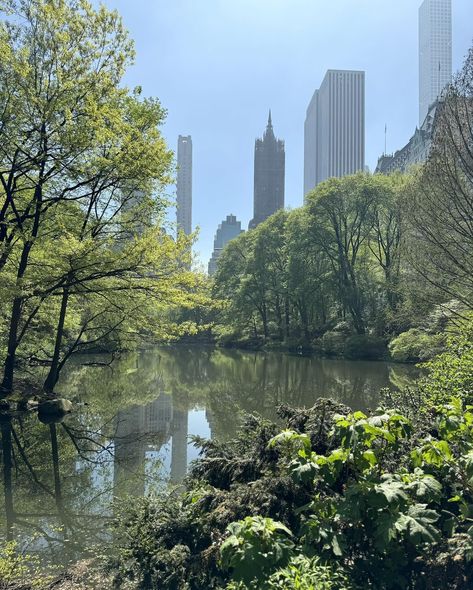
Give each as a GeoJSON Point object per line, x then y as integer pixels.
{"type": "Point", "coordinates": [219, 65]}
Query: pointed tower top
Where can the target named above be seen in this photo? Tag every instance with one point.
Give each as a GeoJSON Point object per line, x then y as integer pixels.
{"type": "Point", "coordinates": [269, 132]}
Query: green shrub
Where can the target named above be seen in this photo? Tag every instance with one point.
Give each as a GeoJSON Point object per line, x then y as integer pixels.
{"type": "Point", "coordinates": [16, 567]}
{"type": "Point", "coordinates": [365, 347]}
{"type": "Point", "coordinates": [451, 373]}
{"type": "Point", "coordinates": [255, 547]}
{"type": "Point", "coordinates": [302, 573]}
{"type": "Point", "coordinates": [416, 345]}
{"type": "Point", "coordinates": [333, 343]}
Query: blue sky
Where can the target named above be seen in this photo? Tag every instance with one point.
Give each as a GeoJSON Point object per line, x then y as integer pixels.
{"type": "Point", "coordinates": [218, 66]}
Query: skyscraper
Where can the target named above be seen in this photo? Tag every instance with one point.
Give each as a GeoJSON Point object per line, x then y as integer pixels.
{"type": "Point", "coordinates": [184, 184]}
{"type": "Point", "coordinates": [270, 162]}
{"type": "Point", "coordinates": [227, 230]}
{"type": "Point", "coordinates": [435, 52]}
{"type": "Point", "coordinates": [334, 130]}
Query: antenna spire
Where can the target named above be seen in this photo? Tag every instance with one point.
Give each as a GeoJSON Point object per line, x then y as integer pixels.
{"type": "Point", "coordinates": [270, 122]}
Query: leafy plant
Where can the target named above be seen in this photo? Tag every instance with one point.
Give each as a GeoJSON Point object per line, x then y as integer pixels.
{"type": "Point", "coordinates": [255, 546]}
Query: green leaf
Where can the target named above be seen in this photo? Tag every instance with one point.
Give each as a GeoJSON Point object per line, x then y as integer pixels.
{"type": "Point", "coordinates": [389, 492]}
{"type": "Point", "coordinates": [370, 457]}
{"type": "Point", "coordinates": [426, 487]}
{"type": "Point", "coordinates": [385, 530]}
{"type": "Point", "coordinates": [418, 524]}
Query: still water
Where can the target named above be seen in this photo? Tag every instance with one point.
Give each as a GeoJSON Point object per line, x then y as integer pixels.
{"type": "Point", "coordinates": [129, 434]}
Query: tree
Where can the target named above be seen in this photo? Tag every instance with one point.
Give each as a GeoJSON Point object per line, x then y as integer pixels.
{"type": "Point", "coordinates": [343, 215]}
{"type": "Point", "coordinates": [70, 134]}
{"type": "Point", "coordinates": [386, 239]}
{"type": "Point", "coordinates": [239, 285]}
{"type": "Point", "coordinates": [310, 282]}
{"type": "Point", "coordinates": [441, 202]}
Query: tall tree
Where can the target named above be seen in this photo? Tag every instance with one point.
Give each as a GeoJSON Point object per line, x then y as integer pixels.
{"type": "Point", "coordinates": [310, 281]}
{"type": "Point", "coordinates": [69, 132]}
{"type": "Point", "coordinates": [441, 202]}
{"type": "Point", "coordinates": [343, 214]}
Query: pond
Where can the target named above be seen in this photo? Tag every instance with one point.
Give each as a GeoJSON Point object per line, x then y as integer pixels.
{"type": "Point", "coordinates": [129, 432]}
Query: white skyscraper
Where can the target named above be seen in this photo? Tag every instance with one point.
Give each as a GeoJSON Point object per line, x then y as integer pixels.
{"type": "Point", "coordinates": [334, 131]}
{"type": "Point", "coordinates": [184, 184]}
{"type": "Point", "coordinates": [435, 52]}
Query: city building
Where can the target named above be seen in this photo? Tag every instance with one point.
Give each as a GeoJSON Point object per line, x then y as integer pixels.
{"type": "Point", "coordinates": [435, 73]}
{"type": "Point", "coordinates": [184, 184]}
{"type": "Point", "coordinates": [334, 130]}
{"type": "Point", "coordinates": [416, 151]}
{"type": "Point", "coordinates": [227, 230]}
{"type": "Point", "coordinates": [435, 52]}
{"type": "Point", "coordinates": [270, 162]}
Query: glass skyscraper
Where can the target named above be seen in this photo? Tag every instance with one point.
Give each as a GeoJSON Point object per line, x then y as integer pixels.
{"type": "Point", "coordinates": [334, 130]}
{"type": "Point", "coordinates": [435, 52]}
{"type": "Point", "coordinates": [184, 184]}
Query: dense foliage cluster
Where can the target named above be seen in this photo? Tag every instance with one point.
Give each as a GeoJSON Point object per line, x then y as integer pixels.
{"type": "Point", "coordinates": [335, 276]}
{"type": "Point", "coordinates": [85, 259]}
{"type": "Point", "coordinates": [336, 499]}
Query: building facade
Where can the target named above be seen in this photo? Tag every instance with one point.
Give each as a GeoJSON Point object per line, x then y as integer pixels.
{"type": "Point", "coordinates": [184, 184]}
{"type": "Point", "coordinates": [416, 151]}
{"type": "Point", "coordinates": [229, 228]}
{"type": "Point", "coordinates": [334, 130]}
{"type": "Point", "coordinates": [435, 52]}
{"type": "Point", "coordinates": [270, 162]}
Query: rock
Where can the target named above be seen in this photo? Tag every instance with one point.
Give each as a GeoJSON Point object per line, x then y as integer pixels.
{"type": "Point", "coordinates": [58, 406]}
{"type": "Point", "coordinates": [50, 419]}
{"type": "Point", "coordinates": [7, 406]}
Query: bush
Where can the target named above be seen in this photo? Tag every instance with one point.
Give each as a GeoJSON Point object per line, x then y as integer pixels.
{"type": "Point", "coordinates": [15, 567]}
{"type": "Point", "coordinates": [415, 346]}
{"type": "Point", "coordinates": [333, 343]}
{"type": "Point", "coordinates": [451, 373]}
{"type": "Point", "coordinates": [255, 547]}
{"type": "Point", "coordinates": [365, 347]}
{"type": "Point", "coordinates": [302, 573]}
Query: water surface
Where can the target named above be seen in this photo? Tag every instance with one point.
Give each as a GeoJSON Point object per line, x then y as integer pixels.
{"type": "Point", "coordinates": [129, 432]}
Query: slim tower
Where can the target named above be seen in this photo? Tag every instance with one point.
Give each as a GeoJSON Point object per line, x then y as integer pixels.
{"type": "Point", "coordinates": [334, 130]}
{"type": "Point", "coordinates": [435, 52]}
{"type": "Point", "coordinates": [184, 184]}
{"type": "Point", "coordinates": [270, 161]}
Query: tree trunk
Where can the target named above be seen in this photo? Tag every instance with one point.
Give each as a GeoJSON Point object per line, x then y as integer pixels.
{"type": "Point", "coordinates": [10, 360]}
{"type": "Point", "coordinates": [287, 314]}
{"type": "Point", "coordinates": [53, 375]}
{"type": "Point", "coordinates": [7, 477]}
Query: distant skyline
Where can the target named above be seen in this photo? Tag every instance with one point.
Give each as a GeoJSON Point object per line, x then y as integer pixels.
{"type": "Point", "coordinates": [218, 66]}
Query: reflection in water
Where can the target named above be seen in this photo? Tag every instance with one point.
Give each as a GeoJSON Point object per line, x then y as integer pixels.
{"type": "Point", "coordinates": [141, 431]}
{"type": "Point", "coordinates": [129, 433]}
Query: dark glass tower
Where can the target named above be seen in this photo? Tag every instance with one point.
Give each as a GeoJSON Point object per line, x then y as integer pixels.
{"type": "Point", "coordinates": [269, 175]}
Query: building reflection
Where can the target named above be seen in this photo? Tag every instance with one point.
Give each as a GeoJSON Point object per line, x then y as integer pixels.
{"type": "Point", "coordinates": [141, 432]}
